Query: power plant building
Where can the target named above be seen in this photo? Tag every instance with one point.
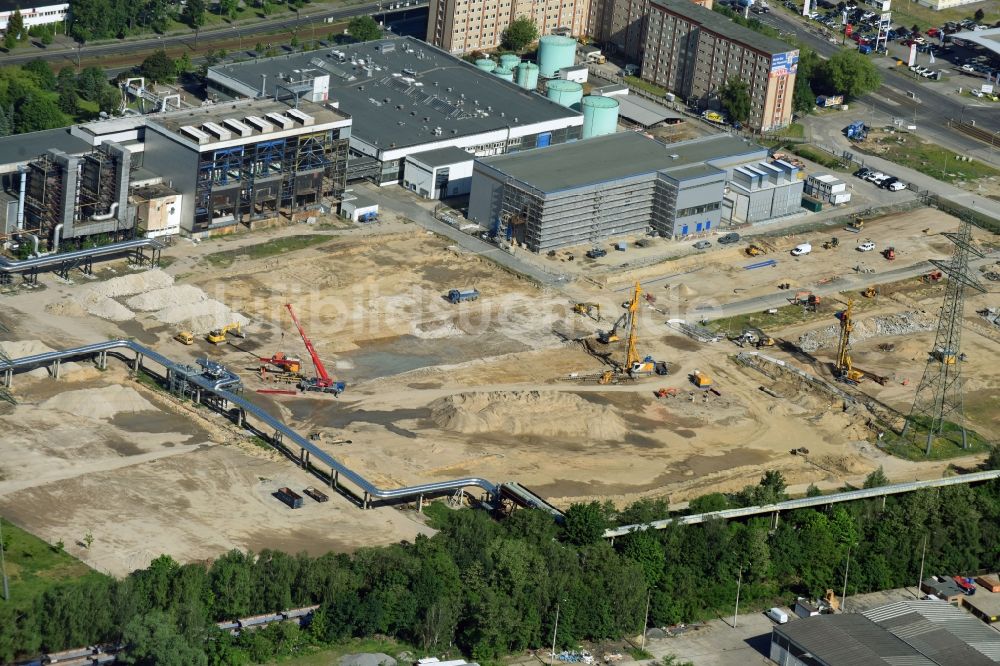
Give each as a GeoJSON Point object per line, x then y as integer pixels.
{"type": "Point", "coordinates": [694, 52]}
{"type": "Point", "coordinates": [406, 97]}
{"type": "Point", "coordinates": [609, 186]}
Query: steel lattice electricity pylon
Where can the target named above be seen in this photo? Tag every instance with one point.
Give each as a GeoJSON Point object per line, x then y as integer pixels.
{"type": "Point", "coordinates": [939, 395]}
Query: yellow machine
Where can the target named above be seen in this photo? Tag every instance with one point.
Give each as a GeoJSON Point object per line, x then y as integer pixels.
{"type": "Point", "coordinates": [831, 599]}
{"type": "Point", "coordinates": [871, 291]}
{"type": "Point", "coordinates": [218, 336]}
{"type": "Point", "coordinates": [857, 225]}
{"type": "Point", "coordinates": [701, 380]}
{"type": "Point", "coordinates": [845, 369]}
{"type": "Point", "coordinates": [755, 250]}
{"type": "Point", "coordinates": [185, 338]}
{"type": "Point", "coordinates": [592, 310]}
{"type": "Point", "coordinates": [607, 337]}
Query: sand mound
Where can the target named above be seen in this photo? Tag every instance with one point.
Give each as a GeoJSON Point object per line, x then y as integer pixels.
{"type": "Point", "coordinates": [20, 348]}
{"type": "Point", "coordinates": [543, 414]}
{"type": "Point", "coordinates": [102, 403]}
{"type": "Point", "coordinates": [105, 307]}
{"type": "Point", "coordinates": [200, 317]}
{"type": "Point", "coordinates": [65, 308]}
{"type": "Point", "coordinates": [134, 283]}
{"type": "Point", "coordinates": [686, 291]}
{"type": "Point", "coordinates": [167, 297]}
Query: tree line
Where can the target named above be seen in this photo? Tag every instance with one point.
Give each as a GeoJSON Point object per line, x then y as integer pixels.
{"type": "Point", "coordinates": [488, 588]}
{"type": "Point", "coordinates": [33, 97]}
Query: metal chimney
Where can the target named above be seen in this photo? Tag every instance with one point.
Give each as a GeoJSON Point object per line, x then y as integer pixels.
{"type": "Point", "coordinates": [263, 84]}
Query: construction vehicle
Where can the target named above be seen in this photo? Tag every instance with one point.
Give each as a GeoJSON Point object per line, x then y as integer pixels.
{"type": "Point", "coordinates": [831, 600]}
{"type": "Point", "coordinates": [857, 226]}
{"type": "Point", "coordinates": [607, 337]}
{"type": "Point", "coordinates": [832, 243]}
{"type": "Point", "coordinates": [322, 382]}
{"type": "Point", "coordinates": [856, 131]}
{"type": "Point", "coordinates": [283, 362]}
{"type": "Point", "coordinates": [633, 366]}
{"type": "Point", "coordinates": [808, 300]}
{"type": "Point", "coordinates": [218, 336]}
{"type": "Point", "coordinates": [588, 310]}
{"type": "Point", "coordinates": [755, 250]}
{"type": "Point", "coordinates": [933, 276]}
{"type": "Point", "coordinates": [701, 380]}
{"type": "Point", "coordinates": [871, 291]}
{"type": "Point", "coordinates": [666, 393]}
{"type": "Point", "coordinates": [462, 295]}
{"type": "Point", "coordinates": [755, 337]}
{"type": "Point", "coordinates": [889, 253]}
{"type": "Point", "coordinates": [185, 338]}
{"type": "Point", "coordinates": [845, 371]}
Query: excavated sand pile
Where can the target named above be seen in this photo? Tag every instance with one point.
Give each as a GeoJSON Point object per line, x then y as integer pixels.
{"type": "Point", "coordinates": [533, 413]}
{"type": "Point", "coordinates": [166, 297]}
{"type": "Point", "coordinates": [133, 283]}
{"type": "Point", "coordinates": [102, 403]}
{"type": "Point", "coordinates": [885, 325]}
{"type": "Point", "coordinates": [21, 348]}
{"type": "Point", "coordinates": [65, 308]}
{"type": "Point", "coordinates": [200, 317]}
{"type": "Point", "coordinates": [105, 307]}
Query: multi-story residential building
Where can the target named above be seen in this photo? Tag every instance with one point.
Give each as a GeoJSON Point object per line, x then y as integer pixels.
{"type": "Point", "coordinates": [460, 26]}
{"type": "Point", "coordinates": [693, 52]}
{"type": "Point", "coordinates": [620, 25]}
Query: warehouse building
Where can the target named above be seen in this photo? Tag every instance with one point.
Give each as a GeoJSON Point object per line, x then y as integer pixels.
{"type": "Point", "coordinates": [237, 163]}
{"type": "Point", "coordinates": [405, 97]}
{"type": "Point", "coordinates": [916, 633]}
{"type": "Point", "coordinates": [609, 186]}
{"type": "Point", "coordinates": [693, 52]}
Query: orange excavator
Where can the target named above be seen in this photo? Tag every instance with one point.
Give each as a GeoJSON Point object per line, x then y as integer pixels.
{"type": "Point", "coordinates": [283, 362]}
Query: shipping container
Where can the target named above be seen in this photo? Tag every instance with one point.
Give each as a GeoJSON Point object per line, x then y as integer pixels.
{"type": "Point", "coordinates": [290, 497]}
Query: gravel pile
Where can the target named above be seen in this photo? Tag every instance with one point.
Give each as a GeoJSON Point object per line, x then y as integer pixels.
{"type": "Point", "coordinates": [902, 323]}
{"type": "Point", "coordinates": [200, 317]}
{"type": "Point", "coordinates": [105, 308]}
{"type": "Point", "coordinates": [102, 403]}
{"type": "Point", "coordinates": [167, 297]}
{"type": "Point", "coordinates": [133, 283]}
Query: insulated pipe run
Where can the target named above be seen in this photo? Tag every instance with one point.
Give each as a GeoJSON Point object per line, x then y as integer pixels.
{"type": "Point", "coordinates": [106, 216]}
{"type": "Point", "coordinates": [20, 201]}
{"type": "Point", "coordinates": [56, 235]}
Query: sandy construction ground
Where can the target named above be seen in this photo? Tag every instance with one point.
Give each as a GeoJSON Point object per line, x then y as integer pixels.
{"type": "Point", "coordinates": [500, 388]}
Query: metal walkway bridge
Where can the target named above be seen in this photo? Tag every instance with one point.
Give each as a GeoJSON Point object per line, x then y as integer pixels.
{"type": "Point", "coordinates": [310, 457]}
{"type": "Point", "coordinates": [806, 502]}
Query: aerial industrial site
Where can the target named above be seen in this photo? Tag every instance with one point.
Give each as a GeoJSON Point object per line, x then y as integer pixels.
{"type": "Point", "coordinates": [356, 280]}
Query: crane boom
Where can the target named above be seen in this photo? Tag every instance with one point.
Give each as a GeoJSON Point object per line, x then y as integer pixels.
{"type": "Point", "coordinates": [632, 355]}
{"type": "Point", "coordinates": [320, 370]}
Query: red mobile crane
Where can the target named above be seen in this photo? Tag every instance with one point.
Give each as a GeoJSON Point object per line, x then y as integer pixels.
{"type": "Point", "coordinates": [322, 382]}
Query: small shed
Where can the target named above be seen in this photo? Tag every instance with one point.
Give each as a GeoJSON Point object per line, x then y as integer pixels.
{"type": "Point", "coordinates": [805, 608]}
{"type": "Point", "coordinates": [578, 73]}
{"type": "Point", "coordinates": [358, 207]}
{"type": "Point", "coordinates": [943, 588]}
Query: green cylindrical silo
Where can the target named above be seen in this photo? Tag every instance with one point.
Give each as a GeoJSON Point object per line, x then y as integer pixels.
{"type": "Point", "coordinates": [486, 64]}
{"type": "Point", "coordinates": [600, 116]}
{"type": "Point", "coordinates": [504, 73]}
{"type": "Point", "coordinates": [565, 93]}
{"type": "Point", "coordinates": [510, 61]}
{"type": "Point", "coordinates": [554, 53]}
{"type": "Point", "coordinates": [527, 75]}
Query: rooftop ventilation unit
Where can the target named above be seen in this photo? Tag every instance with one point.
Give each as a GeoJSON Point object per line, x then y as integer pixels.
{"type": "Point", "coordinates": [278, 119]}
{"type": "Point", "coordinates": [218, 130]}
{"type": "Point", "coordinates": [303, 118]}
{"type": "Point", "coordinates": [195, 133]}
{"type": "Point", "coordinates": [262, 125]}
{"type": "Point", "coordinates": [237, 126]}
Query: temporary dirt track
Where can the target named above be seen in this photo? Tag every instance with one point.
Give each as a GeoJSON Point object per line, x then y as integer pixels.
{"type": "Point", "coordinates": [496, 388]}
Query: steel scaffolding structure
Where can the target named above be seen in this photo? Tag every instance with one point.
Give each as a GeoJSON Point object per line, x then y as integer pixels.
{"type": "Point", "coordinates": [939, 395]}
{"type": "Point", "coordinates": [44, 195]}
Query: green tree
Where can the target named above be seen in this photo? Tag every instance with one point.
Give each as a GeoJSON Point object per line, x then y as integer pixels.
{"type": "Point", "coordinates": [38, 113]}
{"type": "Point", "coordinates": [735, 99]}
{"type": "Point", "coordinates": [158, 66]}
{"type": "Point", "coordinates": [521, 32]}
{"type": "Point", "coordinates": [850, 74]}
{"type": "Point", "coordinates": [813, 491]}
{"type": "Point", "coordinates": [364, 29]}
{"type": "Point", "coordinates": [876, 479]}
{"type": "Point", "coordinates": [803, 96]}
{"type": "Point", "coordinates": [229, 8]}
{"type": "Point", "coordinates": [979, 15]}
{"type": "Point", "coordinates": [585, 523]}
{"type": "Point", "coordinates": [152, 639]}
{"type": "Point", "coordinates": [709, 502]}
{"type": "Point", "coordinates": [15, 26]}
{"type": "Point", "coordinates": [68, 102]}
{"type": "Point", "coordinates": [43, 74]}
{"type": "Point", "coordinates": [194, 13]}
{"type": "Point", "coordinates": [993, 460]}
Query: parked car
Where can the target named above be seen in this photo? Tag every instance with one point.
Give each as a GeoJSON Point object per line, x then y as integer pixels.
{"type": "Point", "coordinates": [596, 253]}
{"type": "Point", "coordinates": [702, 244]}
{"type": "Point", "coordinates": [801, 250]}
{"type": "Point", "coordinates": [729, 239]}
{"type": "Point", "coordinates": [968, 69]}
{"type": "Point", "coordinates": [867, 246]}
{"type": "Point", "coordinates": [863, 172]}
{"type": "Point", "coordinates": [888, 181]}
{"type": "Point", "coordinates": [976, 93]}
{"type": "Point", "coordinates": [897, 186]}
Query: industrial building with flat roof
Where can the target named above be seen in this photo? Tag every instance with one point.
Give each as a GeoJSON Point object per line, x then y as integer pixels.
{"type": "Point", "coordinates": [915, 633]}
{"type": "Point", "coordinates": [608, 186]}
{"type": "Point", "coordinates": [405, 97]}
{"type": "Point", "coordinates": [694, 52]}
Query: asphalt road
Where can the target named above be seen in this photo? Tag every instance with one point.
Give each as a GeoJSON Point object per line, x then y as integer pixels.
{"type": "Point", "coordinates": [930, 114]}
{"type": "Point", "coordinates": [247, 32]}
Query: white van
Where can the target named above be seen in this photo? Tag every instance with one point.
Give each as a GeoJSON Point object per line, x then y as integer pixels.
{"type": "Point", "coordinates": [800, 250]}
{"type": "Point", "coordinates": [778, 615]}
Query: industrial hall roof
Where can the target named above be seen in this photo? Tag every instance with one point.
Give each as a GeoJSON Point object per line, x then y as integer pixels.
{"type": "Point", "coordinates": [26, 147]}
{"type": "Point", "coordinates": [402, 92]}
{"type": "Point", "coordinates": [849, 640]}
{"type": "Point", "coordinates": [721, 25]}
{"type": "Point", "coordinates": [613, 157]}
